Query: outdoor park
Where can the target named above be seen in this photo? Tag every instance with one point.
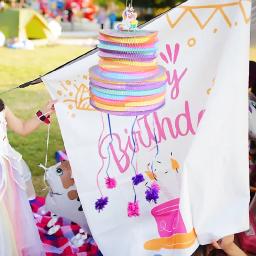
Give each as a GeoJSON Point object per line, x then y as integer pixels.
{"type": "Point", "coordinates": [38, 36]}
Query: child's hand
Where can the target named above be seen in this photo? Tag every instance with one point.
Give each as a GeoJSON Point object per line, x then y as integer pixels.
{"type": "Point", "coordinates": [225, 243]}
{"type": "Point", "coordinates": [228, 246]}
{"type": "Point", "coordinates": [49, 108]}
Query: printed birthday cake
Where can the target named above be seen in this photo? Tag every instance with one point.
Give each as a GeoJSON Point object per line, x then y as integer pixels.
{"type": "Point", "coordinates": [127, 80]}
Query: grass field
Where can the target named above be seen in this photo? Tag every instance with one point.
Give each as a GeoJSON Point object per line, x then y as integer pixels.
{"type": "Point", "coordinates": [18, 66]}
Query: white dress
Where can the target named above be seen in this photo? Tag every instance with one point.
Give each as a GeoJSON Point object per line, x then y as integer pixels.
{"type": "Point", "coordinates": [18, 232]}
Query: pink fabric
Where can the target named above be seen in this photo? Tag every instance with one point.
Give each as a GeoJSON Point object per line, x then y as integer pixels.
{"type": "Point", "coordinates": [60, 243]}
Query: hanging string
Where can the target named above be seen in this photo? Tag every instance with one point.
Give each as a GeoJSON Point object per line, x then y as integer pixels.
{"type": "Point", "coordinates": [101, 203]}
{"type": "Point", "coordinates": [102, 160]}
{"type": "Point", "coordinates": [157, 145]}
{"type": "Point", "coordinates": [47, 145]}
{"type": "Point", "coordinates": [108, 165]}
{"type": "Point", "coordinates": [111, 136]}
{"type": "Point", "coordinates": [133, 154]}
{"type": "Point", "coordinates": [110, 129]}
{"type": "Point", "coordinates": [47, 139]}
{"type": "Point", "coordinates": [157, 150]}
{"type": "Point", "coordinates": [135, 195]}
{"type": "Point", "coordinates": [134, 144]}
{"type": "Point", "coordinates": [44, 167]}
{"type": "Point", "coordinates": [46, 186]}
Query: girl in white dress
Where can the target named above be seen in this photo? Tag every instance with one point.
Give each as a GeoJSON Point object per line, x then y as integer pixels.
{"type": "Point", "coordinates": [18, 233]}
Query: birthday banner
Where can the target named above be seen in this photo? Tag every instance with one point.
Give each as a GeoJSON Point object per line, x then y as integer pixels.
{"type": "Point", "coordinates": [165, 182]}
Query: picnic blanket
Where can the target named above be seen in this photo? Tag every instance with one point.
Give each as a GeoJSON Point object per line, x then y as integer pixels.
{"type": "Point", "coordinates": [61, 242]}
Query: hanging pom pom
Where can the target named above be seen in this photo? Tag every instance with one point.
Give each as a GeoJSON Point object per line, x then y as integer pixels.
{"type": "Point", "coordinates": [110, 182]}
{"type": "Point", "coordinates": [152, 193]}
{"type": "Point", "coordinates": [101, 203]}
{"type": "Point", "coordinates": [133, 209]}
{"type": "Point", "coordinates": [155, 186]}
{"type": "Point", "coordinates": [137, 179]}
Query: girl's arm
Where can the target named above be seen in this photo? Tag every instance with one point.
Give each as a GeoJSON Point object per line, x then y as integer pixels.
{"type": "Point", "coordinates": [228, 246]}
{"type": "Point", "coordinates": [24, 128]}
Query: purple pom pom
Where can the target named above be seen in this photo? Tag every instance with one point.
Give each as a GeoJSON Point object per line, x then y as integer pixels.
{"type": "Point", "coordinates": [137, 179]}
{"type": "Point", "coordinates": [152, 193]}
{"type": "Point", "coordinates": [101, 203]}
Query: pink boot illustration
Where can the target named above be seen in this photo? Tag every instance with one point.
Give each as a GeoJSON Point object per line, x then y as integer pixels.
{"type": "Point", "coordinates": [168, 218]}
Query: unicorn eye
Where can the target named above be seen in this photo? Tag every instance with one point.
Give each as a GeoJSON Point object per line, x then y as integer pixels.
{"type": "Point", "coordinates": [59, 171]}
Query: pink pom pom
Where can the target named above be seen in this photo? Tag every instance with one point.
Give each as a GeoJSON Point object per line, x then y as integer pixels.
{"type": "Point", "coordinates": [155, 186]}
{"type": "Point", "coordinates": [110, 182]}
{"type": "Point", "coordinates": [133, 209]}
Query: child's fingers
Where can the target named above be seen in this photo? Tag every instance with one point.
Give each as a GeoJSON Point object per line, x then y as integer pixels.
{"type": "Point", "coordinates": [52, 107]}
{"type": "Point", "coordinates": [216, 245]}
{"type": "Point", "coordinates": [51, 104]}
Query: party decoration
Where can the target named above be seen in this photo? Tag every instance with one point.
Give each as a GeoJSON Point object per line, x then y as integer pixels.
{"type": "Point", "coordinates": [152, 193]}
{"type": "Point", "coordinates": [129, 19]}
{"type": "Point", "coordinates": [101, 203]}
{"type": "Point", "coordinates": [175, 164]}
{"type": "Point", "coordinates": [133, 209]}
{"type": "Point", "coordinates": [62, 198]}
{"type": "Point", "coordinates": [60, 155]}
{"type": "Point", "coordinates": [195, 128]}
{"type": "Point", "coordinates": [110, 182]}
{"type": "Point", "coordinates": [137, 179]}
{"type": "Point", "coordinates": [127, 82]}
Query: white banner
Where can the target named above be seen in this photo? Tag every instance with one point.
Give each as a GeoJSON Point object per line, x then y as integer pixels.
{"type": "Point", "coordinates": [196, 176]}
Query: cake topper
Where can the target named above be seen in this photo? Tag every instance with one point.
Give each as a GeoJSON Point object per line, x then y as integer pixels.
{"type": "Point", "coordinates": [129, 21]}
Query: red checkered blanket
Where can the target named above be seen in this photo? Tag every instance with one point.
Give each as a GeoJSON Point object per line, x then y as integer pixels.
{"type": "Point", "coordinates": [63, 241]}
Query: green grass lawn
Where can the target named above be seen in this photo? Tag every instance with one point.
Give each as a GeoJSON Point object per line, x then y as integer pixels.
{"type": "Point", "coordinates": [19, 66]}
